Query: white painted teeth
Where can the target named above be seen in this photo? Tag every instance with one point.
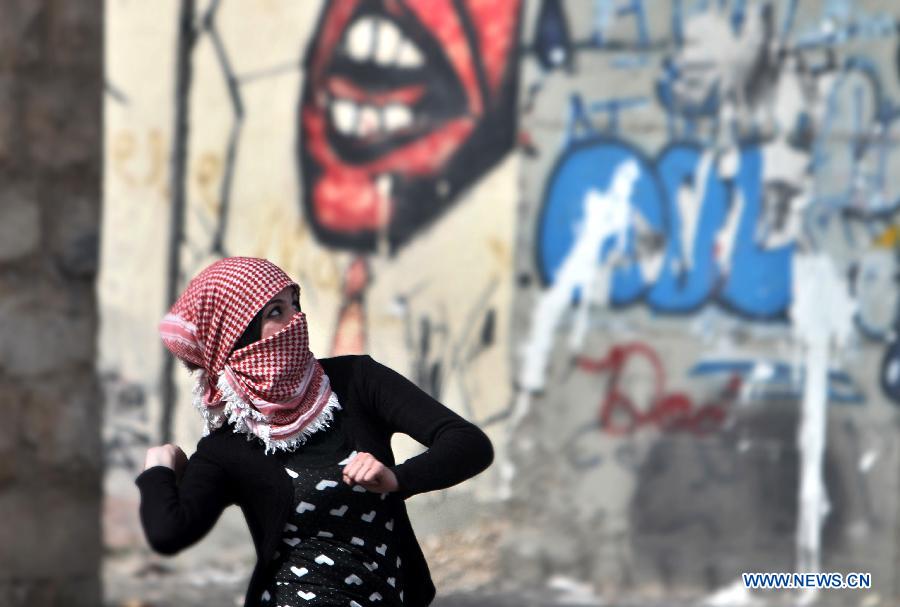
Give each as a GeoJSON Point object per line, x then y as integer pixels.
{"type": "Point", "coordinates": [350, 118]}
{"type": "Point", "coordinates": [409, 56]}
{"type": "Point", "coordinates": [359, 39]}
{"type": "Point", "coordinates": [389, 37]}
{"type": "Point", "coordinates": [380, 40]}
{"type": "Point", "coordinates": [343, 115]}
{"type": "Point", "coordinates": [383, 187]}
{"type": "Point", "coordinates": [397, 116]}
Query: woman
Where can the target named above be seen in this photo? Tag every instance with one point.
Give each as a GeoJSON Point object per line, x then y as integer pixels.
{"type": "Point", "coordinates": [302, 446]}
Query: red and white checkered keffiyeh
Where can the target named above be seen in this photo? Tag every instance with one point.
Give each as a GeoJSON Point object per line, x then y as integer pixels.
{"type": "Point", "coordinates": [275, 388]}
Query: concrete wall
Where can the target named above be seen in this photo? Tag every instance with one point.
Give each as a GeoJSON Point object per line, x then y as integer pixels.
{"type": "Point", "coordinates": [652, 251]}
{"type": "Point", "coordinates": [706, 296]}
{"type": "Point", "coordinates": [50, 444]}
{"type": "Point", "coordinates": [411, 264]}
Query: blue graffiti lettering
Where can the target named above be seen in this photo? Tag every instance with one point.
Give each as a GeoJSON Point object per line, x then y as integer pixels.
{"type": "Point", "coordinates": [706, 223]}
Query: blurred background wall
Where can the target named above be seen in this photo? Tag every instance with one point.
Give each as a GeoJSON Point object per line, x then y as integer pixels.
{"type": "Point", "coordinates": [706, 298]}
{"type": "Point", "coordinates": [50, 442]}
{"type": "Point", "coordinates": [649, 246]}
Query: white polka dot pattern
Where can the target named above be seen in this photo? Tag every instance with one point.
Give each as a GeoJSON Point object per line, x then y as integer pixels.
{"type": "Point", "coordinates": [353, 562]}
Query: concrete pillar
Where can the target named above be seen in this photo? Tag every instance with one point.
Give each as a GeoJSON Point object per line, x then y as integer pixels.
{"type": "Point", "coordinates": [50, 444]}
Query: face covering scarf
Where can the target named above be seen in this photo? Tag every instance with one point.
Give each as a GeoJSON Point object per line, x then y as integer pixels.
{"type": "Point", "coordinates": [273, 389]}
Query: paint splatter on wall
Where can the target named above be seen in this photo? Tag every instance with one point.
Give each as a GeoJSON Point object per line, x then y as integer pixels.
{"type": "Point", "coordinates": [658, 322]}
{"type": "Point", "coordinates": [577, 223]}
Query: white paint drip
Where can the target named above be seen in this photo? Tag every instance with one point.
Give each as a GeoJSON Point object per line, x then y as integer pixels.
{"type": "Point", "coordinates": [689, 200]}
{"type": "Point", "coordinates": [384, 188]}
{"type": "Point", "coordinates": [507, 469]}
{"type": "Point", "coordinates": [596, 290]}
{"type": "Point", "coordinates": [821, 315]}
{"type": "Point", "coordinates": [606, 215]}
{"type": "Point", "coordinates": [520, 408]}
{"type": "Point", "coordinates": [727, 236]}
{"type": "Point", "coordinates": [811, 439]}
{"type": "Point", "coordinates": [782, 163]}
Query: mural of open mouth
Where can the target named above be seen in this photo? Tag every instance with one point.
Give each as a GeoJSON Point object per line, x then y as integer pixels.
{"type": "Point", "coordinates": [405, 103]}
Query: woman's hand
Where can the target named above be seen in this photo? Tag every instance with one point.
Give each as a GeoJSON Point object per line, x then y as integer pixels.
{"type": "Point", "coordinates": [367, 471]}
{"type": "Point", "coordinates": [168, 455]}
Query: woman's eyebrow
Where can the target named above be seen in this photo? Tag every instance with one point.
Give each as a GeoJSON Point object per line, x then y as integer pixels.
{"type": "Point", "coordinates": [277, 301]}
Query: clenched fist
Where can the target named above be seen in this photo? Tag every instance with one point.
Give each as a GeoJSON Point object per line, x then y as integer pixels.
{"type": "Point", "coordinates": [168, 455]}
{"type": "Point", "coordinates": [367, 471]}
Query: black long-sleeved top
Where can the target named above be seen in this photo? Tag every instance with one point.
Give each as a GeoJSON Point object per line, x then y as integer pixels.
{"type": "Point", "coordinates": [229, 469]}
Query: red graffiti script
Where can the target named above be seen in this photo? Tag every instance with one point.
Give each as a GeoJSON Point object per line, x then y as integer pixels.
{"type": "Point", "coordinates": [668, 411]}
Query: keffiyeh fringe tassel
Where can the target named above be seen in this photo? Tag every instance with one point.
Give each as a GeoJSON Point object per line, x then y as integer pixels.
{"type": "Point", "coordinates": [236, 410]}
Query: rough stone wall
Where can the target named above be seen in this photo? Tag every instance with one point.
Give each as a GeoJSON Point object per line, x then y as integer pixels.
{"type": "Point", "coordinates": [50, 447]}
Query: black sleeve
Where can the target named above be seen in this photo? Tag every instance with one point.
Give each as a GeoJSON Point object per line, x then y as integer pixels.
{"type": "Point", "coordinates": [175, 516]}
{"type": "Point", "coordinates": [457, 449]}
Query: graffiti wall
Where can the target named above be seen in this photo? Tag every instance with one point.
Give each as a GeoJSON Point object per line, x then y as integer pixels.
{"type": "Point", "coordinates": [706, 293]}
{"type": "Point", "coordinates": [365, 147]}
{"type": "Point", "coordinates": [649, 246]}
